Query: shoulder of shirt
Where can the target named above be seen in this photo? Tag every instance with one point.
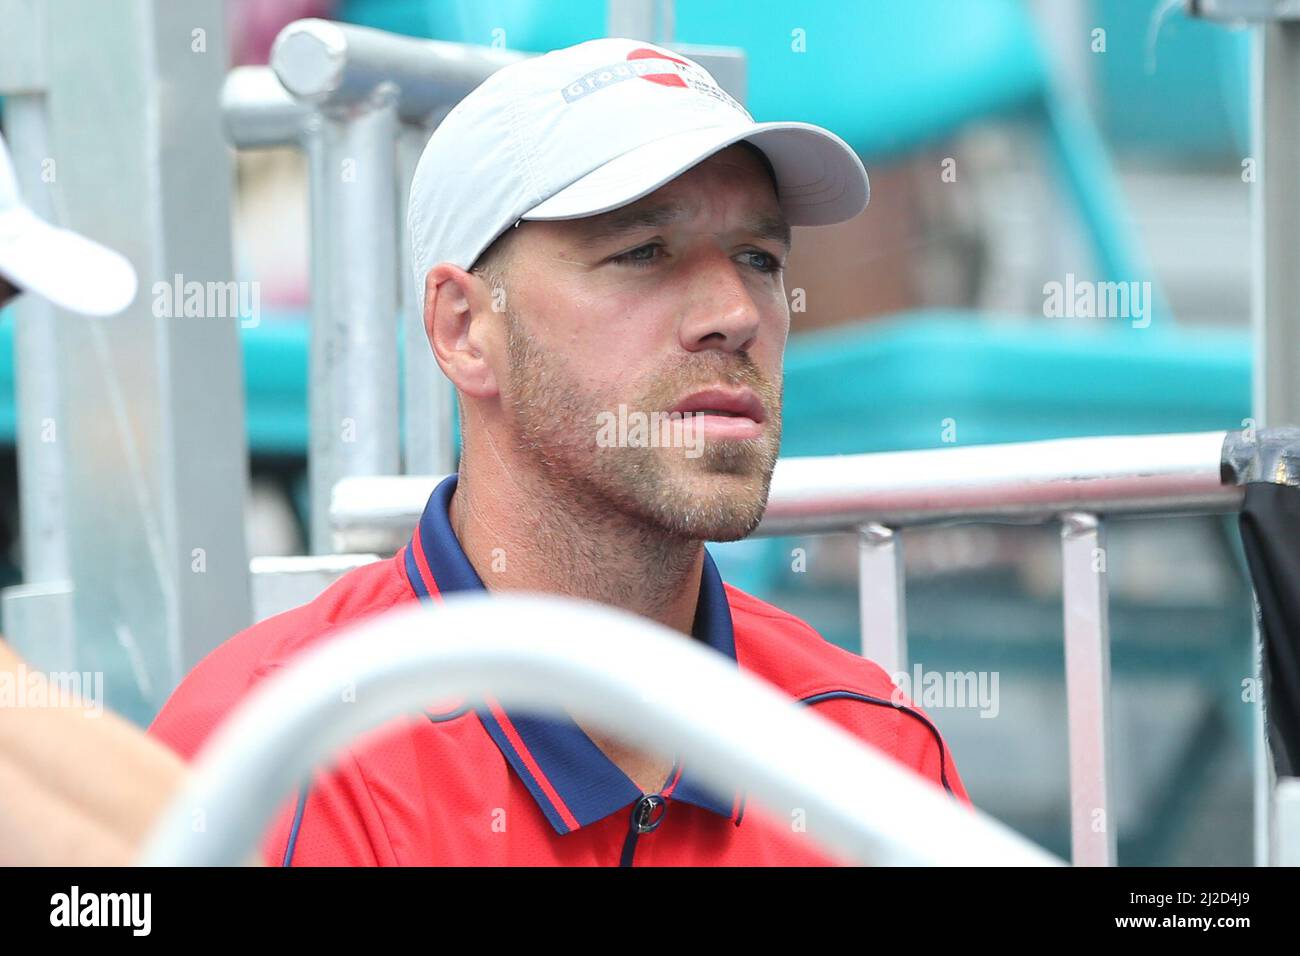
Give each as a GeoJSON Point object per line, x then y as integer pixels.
{"type": "Point", "coordinates": [790, 653]}
{"type": "Point", "coordinates": [362, 592]}
{"type": "Point", "coordinates": [228, 672]}
{"type": "Point", "coordinates": [849, 689]}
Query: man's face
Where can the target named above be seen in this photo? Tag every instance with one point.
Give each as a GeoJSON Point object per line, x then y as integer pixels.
{"type": "Point", "coordinates": [647, 316]}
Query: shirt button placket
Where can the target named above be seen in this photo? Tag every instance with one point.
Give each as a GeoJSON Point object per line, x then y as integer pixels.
{"type": "Point", "coordinates": [647, 813]}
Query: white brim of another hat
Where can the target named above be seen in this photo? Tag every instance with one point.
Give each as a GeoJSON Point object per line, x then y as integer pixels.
{"type": "Point", "coordinates": [73, 272]}
{"type": "Point", "coordinates": [820, 180]}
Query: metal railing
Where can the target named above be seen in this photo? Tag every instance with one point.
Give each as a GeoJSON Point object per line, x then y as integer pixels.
{"type": "Point", "coordinates": [360, 103]}
{"type": "Point", "coordinates": [626, 674]}
{"type": "Point", "coordinates": [1076, 481]}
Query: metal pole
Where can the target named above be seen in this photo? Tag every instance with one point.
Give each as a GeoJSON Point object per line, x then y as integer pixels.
{"type": "Point", "coordinates": [1130, 474]}
{"type": "Point", "coordinates": [1147, 474]}
{"type": "Point", "coordinates": [1087, 676]}
{"type": "Point", "coordinates": [359, 85]}
{"type": "Point", "coordinates": [1276, 312]}
{"type": "Point", "coordinates": [881, 605]}
{"type": "Point", "coordinates": [258, 111]}
{"type": "Point", "coordinates": [325, 64]}
{"type": "Point", "coordinates": [354, 327]}
{"type": "Point", "coordinates": [1275, 303]}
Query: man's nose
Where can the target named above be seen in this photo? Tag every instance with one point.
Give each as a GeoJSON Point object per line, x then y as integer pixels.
{"type": "Point", "coordinates": [720, 312]}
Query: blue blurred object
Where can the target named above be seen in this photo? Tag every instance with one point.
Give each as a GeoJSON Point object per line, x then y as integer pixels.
{"type": "Point", "coordinates": [518, 24]}
{"type": "Point", "coordinates": [858, 70]}
{"type": "Point", "coordinates": [1172, 87]}
{"type": "Point", "coordinates": [275, 374]}
{"type": "Point", "coordinates": [891, 385]}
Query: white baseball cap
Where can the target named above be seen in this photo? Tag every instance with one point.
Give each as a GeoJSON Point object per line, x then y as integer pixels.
{"type": "Point", "coordinates": [73, 272]}
{"type": "Point", "coordinates": [595, 126]}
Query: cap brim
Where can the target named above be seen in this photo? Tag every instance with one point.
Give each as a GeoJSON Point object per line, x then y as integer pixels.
{"type": "Point", "coordinates": [820, 179]}
{"type": "Point", "coordinates": [73, 272]}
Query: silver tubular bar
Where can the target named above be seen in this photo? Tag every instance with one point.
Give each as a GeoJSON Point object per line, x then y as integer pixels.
{"type": "Point", "coordinates": [258, 112]}
{"type": "Point", "coordinates": [1143, 474]}
{"type": "Point", "coordinates": [382, 511]}
{"type": "Point", "coordinates": [1275, 298]}
{"type": "Point", "coordinates": [332, 65]}
{"type": "Point", "coordinates": [882, 611]}
{"type": "Point", "coordinates": [632, 677]}
{"type": "Point", "coordinates": [1133, 474]}
{"type": "Point", "coordinates": [354, 327]}
{"type": "Point", "coordinates": [1087, 688]}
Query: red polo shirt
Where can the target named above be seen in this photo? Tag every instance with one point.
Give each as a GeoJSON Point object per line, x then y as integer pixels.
{"type": "Point", "coordinates": [485, 786]}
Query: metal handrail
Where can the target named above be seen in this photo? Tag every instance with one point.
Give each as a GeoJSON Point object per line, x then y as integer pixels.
{"type": "Point", "coordinates": [625, 674]}
{"type": "Point", "coordinates": [360, 103]}
{"type": "Point", "coordinates": [1127, 474]}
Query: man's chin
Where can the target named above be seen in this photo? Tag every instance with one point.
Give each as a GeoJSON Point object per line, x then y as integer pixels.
{"type": "Point", "coordinates": [714, 507]}
{"type": "Point", "coordinates": [735, 532]}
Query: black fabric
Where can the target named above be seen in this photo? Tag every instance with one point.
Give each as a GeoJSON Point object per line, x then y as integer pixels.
{"type": "Point", "coordinates": [1270, 532]}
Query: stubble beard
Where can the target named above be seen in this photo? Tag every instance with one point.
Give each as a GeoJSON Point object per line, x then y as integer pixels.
{"type": "Point", "coordinates": [718, 496]}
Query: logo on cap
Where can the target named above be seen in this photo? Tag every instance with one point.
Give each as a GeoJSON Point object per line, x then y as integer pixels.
{"type": "Point", "coordinates": [654, 66]}
{"type": "Point", "coordinates": [667, 79]}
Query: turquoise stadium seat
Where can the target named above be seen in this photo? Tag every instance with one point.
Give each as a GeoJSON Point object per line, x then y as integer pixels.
{"type": "Point", "coordinates": [891, 385]}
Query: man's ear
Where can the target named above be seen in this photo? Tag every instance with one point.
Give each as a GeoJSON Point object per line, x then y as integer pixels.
{"type": "Point", "coordinates": [463, 330]}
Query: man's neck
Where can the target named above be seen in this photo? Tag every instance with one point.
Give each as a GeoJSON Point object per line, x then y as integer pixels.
{"type": "Point", "coordinates": [520, 534]}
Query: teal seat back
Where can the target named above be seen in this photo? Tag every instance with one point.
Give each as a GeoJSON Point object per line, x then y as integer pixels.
{"type": "Point", "coordinates": [886, 77]}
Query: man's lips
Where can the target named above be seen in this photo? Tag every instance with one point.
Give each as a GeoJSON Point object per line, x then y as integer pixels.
{"type": "Point", "coordinates": [724, 414]}
{"type": "Point", "coordinates": [723, 402]}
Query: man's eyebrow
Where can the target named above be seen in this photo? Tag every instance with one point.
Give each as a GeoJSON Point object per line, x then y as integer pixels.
{"type": "Point", "coordinates": [774, 228]}
{"type": "Point", "coordinates": [622, 221]}
{"type": "Point", "coordinates": [612, 225]}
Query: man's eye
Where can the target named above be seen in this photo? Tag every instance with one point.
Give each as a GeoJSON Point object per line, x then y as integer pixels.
{"type": "Point", "coordinates": [646, 255]}
{"type": "Point", "coordinates": [764, 261]}
{"type": "Point", "coordinates": [640, 256]}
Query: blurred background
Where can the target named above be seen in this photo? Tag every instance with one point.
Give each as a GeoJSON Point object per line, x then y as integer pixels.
{"type": "Point", "coordinates": [1011, 144]}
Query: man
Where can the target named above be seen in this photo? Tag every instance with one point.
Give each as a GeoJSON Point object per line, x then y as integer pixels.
{"type": "Point", "coordinates": [596, 232]}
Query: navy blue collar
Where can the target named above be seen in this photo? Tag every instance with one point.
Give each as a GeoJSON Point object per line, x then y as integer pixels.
{"type": "Point", "coordinates": [571, 779]}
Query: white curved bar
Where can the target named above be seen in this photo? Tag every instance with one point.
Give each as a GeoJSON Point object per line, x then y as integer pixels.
{"type": "Point", "coordinates": [632, 677]}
